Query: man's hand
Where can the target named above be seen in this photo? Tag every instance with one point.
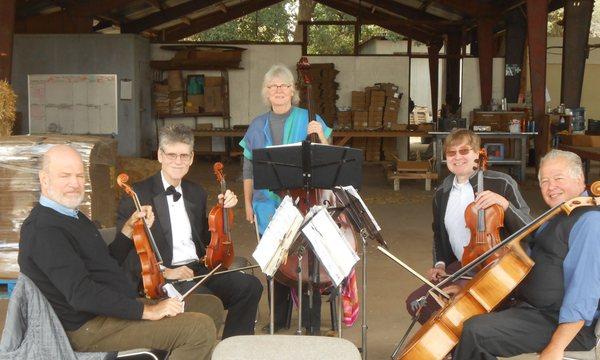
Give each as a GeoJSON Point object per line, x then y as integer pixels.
{"type": "Point", "coordinates": [169, 308]}
{"type": "Point", "coordinates": [436, 273]}
{"type": "Point", "coordinates": [178, 273]}
{"type": "Point", "coordinates": [229, 200]}
{"type": "Point", "coordinates": [452, 289]}
{"type": "Point", "coordinates": [145, 213]}
{"type": "Point", "coordinates": [486, 198]}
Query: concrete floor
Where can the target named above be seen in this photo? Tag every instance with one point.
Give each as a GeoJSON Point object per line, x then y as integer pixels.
{"type": "Point", "coordinates": [405, 219]}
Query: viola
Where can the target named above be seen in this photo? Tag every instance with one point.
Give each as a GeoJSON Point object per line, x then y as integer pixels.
{"type": "Point", "coordinates": [220, 221]}
{"type": "Point", "coordinates": [287, 273]}
{"type": "Point", "coordinates": [484, 224]}
{"type": "Point", "coordinates": [145, 246]}
{"type": "Point", "coordinates": [482, 294]}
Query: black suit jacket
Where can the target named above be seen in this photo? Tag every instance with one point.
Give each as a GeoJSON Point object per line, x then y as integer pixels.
{"type": "Point", "coordinates": [151, 192]}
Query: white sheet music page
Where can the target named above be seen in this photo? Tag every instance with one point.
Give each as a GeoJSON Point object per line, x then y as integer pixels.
{"type": "Point", "coordinates": [328, 243]}
{"type": "Point", "coordinates": [278, 237]}
{"type": "Point", "coordinates": [352, 191]}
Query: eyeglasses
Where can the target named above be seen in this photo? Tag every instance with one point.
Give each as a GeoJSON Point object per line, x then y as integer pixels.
{"type": "Point", "coordinates": [462, 151]}
{"type": "Point", "coordinates": [173, 157]}
{"type": "Point", "coordinates": [280, 86]}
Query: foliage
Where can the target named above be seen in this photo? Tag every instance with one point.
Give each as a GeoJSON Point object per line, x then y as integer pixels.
{"type": "Point", "coordinates": [278, 22]}
{"type": "Point", "coordinates": [555, 27]}
{"type": "Point", "coordinates": [8, 101]}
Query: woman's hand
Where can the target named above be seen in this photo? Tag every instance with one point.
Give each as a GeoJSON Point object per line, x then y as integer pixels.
{"type": "Point", "coordinates": [315, 127]}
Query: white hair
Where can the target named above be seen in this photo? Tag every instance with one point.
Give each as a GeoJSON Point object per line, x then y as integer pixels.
{"type": "Point", "coordinates": [574, 164]}
{"type": "Point", "coordinates": [279, 71]}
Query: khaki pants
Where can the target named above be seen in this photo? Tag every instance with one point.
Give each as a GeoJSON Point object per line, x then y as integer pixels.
{"type": "Point", "coordinates": [190, 335]}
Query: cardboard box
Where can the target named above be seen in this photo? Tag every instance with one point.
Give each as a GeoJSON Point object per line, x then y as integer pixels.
{"type": "Point", "coordinates": [344, 119]}
{"type": "Point", "coordinates": [391, 90]}
{"type": "Point", "coordinates": [213, 100]}
{"type": "Point", "coordinates": [358, 100]}
{"type": "Point", "coordinates": [375, 118]}
{"type": "Point", "coordinates": [213, 81]}
{"type": "Point", "coordinates": [194, 104]}
{"type": "Point", "coordinates": [360, 119]}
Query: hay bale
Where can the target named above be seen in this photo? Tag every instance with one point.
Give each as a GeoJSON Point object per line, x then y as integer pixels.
{"type": "Point", "coordinates": [8, 101]}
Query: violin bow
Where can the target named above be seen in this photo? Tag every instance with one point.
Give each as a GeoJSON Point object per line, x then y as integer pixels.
{"type": "Point", "coordinates": [201, 281]}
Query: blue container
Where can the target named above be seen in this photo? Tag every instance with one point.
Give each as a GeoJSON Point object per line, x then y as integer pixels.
{"type": "Point", "coordinates": [6, 287]}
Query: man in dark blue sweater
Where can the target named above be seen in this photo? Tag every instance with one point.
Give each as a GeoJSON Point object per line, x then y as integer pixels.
{"type": "Point", "coordinates": [65, 256]}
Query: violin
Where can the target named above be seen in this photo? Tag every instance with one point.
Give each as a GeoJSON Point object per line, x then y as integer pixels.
{"type": "Point", "coordinates": [484, 224]}
{"type": "Point", "coordinates": [145, 246]}
{"type": "Point", "coordinates": [482, 294]}
{"type": "Point", "coordinates": [220, 221]}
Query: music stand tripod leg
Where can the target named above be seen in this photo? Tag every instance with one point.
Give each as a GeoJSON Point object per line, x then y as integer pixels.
{"type": "Point", "coordinates": [272, 306]}
{"type": "Point", "coordinates": [299, 254]}
{"type": "Point", "coordinates": [364, 235]}
{"type": "Point", "coordinates": [340, 310]}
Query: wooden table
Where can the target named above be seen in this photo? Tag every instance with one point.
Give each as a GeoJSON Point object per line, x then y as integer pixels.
{"type": "Point", "coordinates": [520, 159]}
{"type": "Point", "coordinates": [340, 137]}
{"type": "Point", "coordinates": [586, 153]}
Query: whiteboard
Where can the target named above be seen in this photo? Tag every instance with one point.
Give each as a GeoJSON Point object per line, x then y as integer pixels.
{"type": "Point", "coordinates": [72, 103]}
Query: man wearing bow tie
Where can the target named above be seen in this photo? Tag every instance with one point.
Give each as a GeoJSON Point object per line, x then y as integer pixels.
{"type": "Point", "coordinates": [181, 232]}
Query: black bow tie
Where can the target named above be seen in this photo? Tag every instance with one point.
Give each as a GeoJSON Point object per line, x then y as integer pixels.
{"type": "Point", "coordinates": [171, 191]}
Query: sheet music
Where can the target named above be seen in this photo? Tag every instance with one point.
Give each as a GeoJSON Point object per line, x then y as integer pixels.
{"type": "Point", "coordinates": [329, 244]}
{"type": "Point", "coordinates": [352, 191]}
{"type": "Point", "coordinates": [278, 237]}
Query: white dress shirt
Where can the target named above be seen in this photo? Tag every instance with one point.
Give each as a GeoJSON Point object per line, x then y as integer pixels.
{"type": "Point", "coordinates": [461, 195]}
{"type": "Point", "coordinates": [184, 249]}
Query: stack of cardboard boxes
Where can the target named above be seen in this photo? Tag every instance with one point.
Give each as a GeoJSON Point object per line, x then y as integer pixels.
{"type": "Point", "coordinates": [375, 108]}
{"type": "Point", "coordinates": [324, 90]}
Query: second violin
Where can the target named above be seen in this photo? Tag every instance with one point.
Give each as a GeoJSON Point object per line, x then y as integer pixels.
{"type": "Point", "coordinates": [220, 221]}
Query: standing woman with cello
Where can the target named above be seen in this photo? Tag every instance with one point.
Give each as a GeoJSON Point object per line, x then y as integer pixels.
{"type": "Point", "coordinates": [458, 190]}
{"type": "Point", "coordinates": [284, 123]}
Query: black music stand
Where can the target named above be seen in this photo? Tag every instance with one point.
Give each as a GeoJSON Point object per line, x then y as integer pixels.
{"type": "Point", "coordinates": [363, 223]}
{"type": "Point", "coordinates": [306, 166]}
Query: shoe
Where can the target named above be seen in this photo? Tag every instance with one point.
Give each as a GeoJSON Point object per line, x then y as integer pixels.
{"type": "Point", "coordinates": [267, 329]}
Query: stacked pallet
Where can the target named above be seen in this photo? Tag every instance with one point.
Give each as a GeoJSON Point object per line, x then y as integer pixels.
{"type": "Point", "coordinates": [324, 90]}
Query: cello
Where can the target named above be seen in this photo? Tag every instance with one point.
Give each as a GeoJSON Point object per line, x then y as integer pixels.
{"type": "Point", "coordinates": [484, 224]}
{"type": "Point", "coordinates": [145, 246]}
{"type": "Point", "coordinates": [220, 221]}
{"type": "Point", "coordinates": [482, 294]}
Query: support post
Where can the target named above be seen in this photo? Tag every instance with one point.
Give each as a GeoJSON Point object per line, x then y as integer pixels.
{"type": "Point", "coordinates": [485, 40]}
{"type": "Point", "coordinates": [453, 50]}
{"type": "Point", "coordinates": [7, 30]}
{"type": "Point", "coordinates": [516, 33]}
{"type": "Point", "coordinates": [578, 15]}
{"type": "Point", "coordinates": [433, 51]}
{"type": "Point", "coordinates": [537, 19]}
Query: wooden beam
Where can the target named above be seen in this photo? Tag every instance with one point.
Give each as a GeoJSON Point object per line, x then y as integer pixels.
{"type": "Point", "coordinates": [161, 17]}
{"type": "Point", "coordinates": [406, 11]}
{"type": "Point", "coordinates": [216, 18]}
{"type": "Point", "coordinates": [575, 50]}
{"type": "Point", "coordinates": [485, 40]}
{"type": "Point", "coordinates": [473, 8]}
{"type": "Point", "coordinates": [382, 20]}
{"type": "Point", "coordinates": [7, 30]}
{"type": "Point", "coordinates": [453, 49]}
{"type": "Point", "coordinates": [516, 33]}
{"type": "Point", "coordinates": [537, 28]}
{"type": "Point", "coordinates": [94, 7]}
{"type": "Point", "coordinates": [433, 50]}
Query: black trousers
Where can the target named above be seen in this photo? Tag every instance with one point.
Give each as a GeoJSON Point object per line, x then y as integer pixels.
{"type": "Point", "coordinates": [283, 301]}
{"type": "Point", "coordinates": [518, 330]}
{"type": "Point", "coordinates": [239, 292]}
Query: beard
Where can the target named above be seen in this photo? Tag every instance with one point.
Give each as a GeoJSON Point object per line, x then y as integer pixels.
{"type": "Point", "coordinates": [71, 201]}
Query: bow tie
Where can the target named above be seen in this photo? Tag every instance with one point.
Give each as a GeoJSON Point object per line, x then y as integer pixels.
{"type": "Point", "coordinates": [171, 191]}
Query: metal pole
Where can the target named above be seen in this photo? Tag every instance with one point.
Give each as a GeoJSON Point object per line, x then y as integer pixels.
{"type": "Point", "coordinates": [363, 236]}
{"type": "Point", "coordinates": [340, 311]}
{"type": "Point", "coordinates": [272, 306]}
{"type": "Point", "coordinates": [300, 250]}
